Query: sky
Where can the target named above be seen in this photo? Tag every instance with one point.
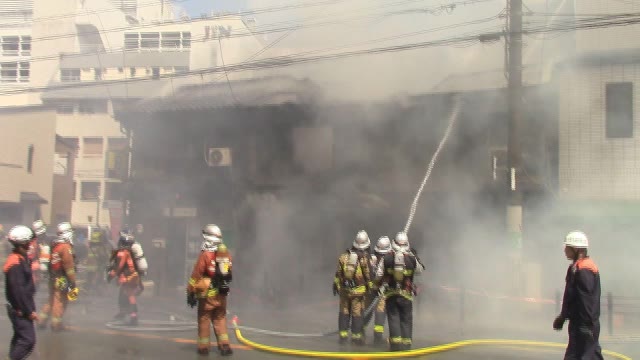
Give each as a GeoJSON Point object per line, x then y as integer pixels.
{"type": "Point", "coordinates": [197, 7]}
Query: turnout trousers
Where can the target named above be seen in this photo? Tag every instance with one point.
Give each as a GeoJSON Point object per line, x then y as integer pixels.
{"type": "Point", "coordinates": [400, 315]}
{"type": "Point", "coordinates": [351, 310]}
{"type": "Point", "coordinates": [212, 311]}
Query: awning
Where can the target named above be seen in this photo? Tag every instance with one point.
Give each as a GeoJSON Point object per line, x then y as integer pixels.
{"type": "Point", "coordinates": [32, 198]}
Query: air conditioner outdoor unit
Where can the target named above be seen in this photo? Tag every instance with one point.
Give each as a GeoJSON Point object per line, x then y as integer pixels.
{"type": "Point", "coordinates": [219, 157]}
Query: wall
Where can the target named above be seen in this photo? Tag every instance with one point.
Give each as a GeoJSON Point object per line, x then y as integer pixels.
{"type": "Point", "coordinates": [615, 37]}
{"type": "Point", "coordinates": [19, 128]}
{"type": "Point", "coordinates": [592, 166]}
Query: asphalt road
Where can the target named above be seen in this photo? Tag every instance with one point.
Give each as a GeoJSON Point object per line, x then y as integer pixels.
{"type": "Point", "coordinates": [89, 337]}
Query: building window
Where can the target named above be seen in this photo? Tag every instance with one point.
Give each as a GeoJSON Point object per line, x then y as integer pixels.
{"type": "Point", "coordinates": [150, 41]}
{"type": "Point", "coordinates": [181, 69]}
{"type": "Point", "coordinates": [10, 45]}
{"type": "Point", "coordinates": [30, 152]}
{"type": "Point", "coordinates": [25, 45]}
{"type": "Point", "coordinates": [132, 41]}
{"type": "Point", "coordinates": [69, 75]}
{"type": "Point", "coordinates": [97, 74]}
{"type": "Point", "coordinates": [74, 197]}
{"type": "Point", "coordinates": [619, 110]}
{"type": "Point", "coordinates": [14, 72]}
{"type": "Point", "coordinates": [132, 72]}
{"type": "Point", "coordinates": [113, 191]}
{"type": "Point", "coordinates": [186, 40]}
{"type": "Point", "coordinates": [117, 158]}
{"type": "Point", "coordinates": [155, 72]}
{"type": "Point", "coordinates": [92, 147]}
{"type": "Point", "coordinates": [89, 190]}
{"type": "Point", "coordinates": [171, 40]}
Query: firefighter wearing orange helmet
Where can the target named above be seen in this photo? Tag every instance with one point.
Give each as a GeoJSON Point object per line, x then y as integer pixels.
{"type": "Point", "coordinates": [62, 278]}
{"type": "Point", "coordinates": [208, 289]}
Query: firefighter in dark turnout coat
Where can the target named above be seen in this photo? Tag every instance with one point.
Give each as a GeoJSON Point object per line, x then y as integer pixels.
{"type": "Point", "coordinates": [20, 290]}
{"type": "Point", "coordinates": [581, 301]}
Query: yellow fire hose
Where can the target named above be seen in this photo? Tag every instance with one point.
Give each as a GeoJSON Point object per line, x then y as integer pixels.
{"type": "Point", "coordinates": [400, 354]}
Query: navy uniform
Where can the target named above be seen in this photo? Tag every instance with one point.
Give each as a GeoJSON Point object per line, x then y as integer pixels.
{"type": "Point", "coordinates": [581, 301]}
{"type": "Point", "coordinates": [20, 290]}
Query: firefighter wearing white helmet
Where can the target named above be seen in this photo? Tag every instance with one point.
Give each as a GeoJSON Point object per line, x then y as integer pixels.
{"type": "Point", "coordinates": [208, 288]}
{"type": "Point", "coordinates": [396, 274]}
{"type": "Point", "coordinates": [20, 290]}
{"type": "Point", "coordinates": [352, 282]}
{"type": "Point", "coordinates": [383, 247]}
{"type": "Point", "coordinates": [43, 247]}
{"type": "Point", "coordinates": [62, 278]}
{"type": "Point", "coordinates": [581, 301]}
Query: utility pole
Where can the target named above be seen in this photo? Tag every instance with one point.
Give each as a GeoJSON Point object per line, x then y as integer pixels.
{"type": "Point", "coordinates": [514, 151]}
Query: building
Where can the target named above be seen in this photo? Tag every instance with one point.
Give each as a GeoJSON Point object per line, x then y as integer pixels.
{"type": "Point", "coordinates": [36, 167]}
{"type": "Point", "coordinates": [93, 55]}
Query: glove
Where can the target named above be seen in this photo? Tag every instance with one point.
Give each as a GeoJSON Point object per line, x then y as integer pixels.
{"type": "Point", "coordinates": [72, 294]}
{"type": "Point", "coordinates": [191, 300]}
{"type": "Point", "coordinates": [34, 317]}
{"type": "Point", "coordinates": [558, 323]}
{"type": "Point", "coordinates": [336, 291]}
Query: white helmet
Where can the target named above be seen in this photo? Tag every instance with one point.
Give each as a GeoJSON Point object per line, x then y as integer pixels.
{"type": "Point", "coordinates": [19, 235]}
{"type": "Point", "coordinates": [383, 246]}
{"type": "Point", "coordinates": [401, 242]}
{"type": "Point", "coordinates": [577, 240]}
{"type": "Point", "coordinates": [362, 241]}
{"type": "Point", "coordinates": [212, 237]}
{"type": "Point", "coordinates": [65, 232]}
{"type": "Point", "coordinates": [39, 227]}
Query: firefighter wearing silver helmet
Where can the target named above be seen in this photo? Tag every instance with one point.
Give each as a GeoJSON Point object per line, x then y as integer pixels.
{"type": "Point", "coordinates": [352, 282]}
{"type": "Point", "coordinates": [396, 272]}
{"type": "Point", "coordinates": [208, 288]}
{"type": "Point", "coordinates": [62, 278]}
{"type": "Point", "coordinates": [383, 247]}
{"type": "Point", "coordinates": [581, 301]}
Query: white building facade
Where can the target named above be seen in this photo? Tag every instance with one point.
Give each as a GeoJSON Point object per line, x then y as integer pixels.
{"type": "Point", "coordinates": [90, 55]}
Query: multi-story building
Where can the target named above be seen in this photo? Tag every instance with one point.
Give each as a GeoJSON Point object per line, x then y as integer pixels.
{"type": "Point", "coordinates": [90, 56]}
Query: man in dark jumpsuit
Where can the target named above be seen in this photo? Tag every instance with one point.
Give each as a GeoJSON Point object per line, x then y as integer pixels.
{"type": "Point", "coordinates": [19, 290]}
{"type": "Point", "coordinates": [395, 273]}
{"type": "Point", "coordinates": [581, 301]}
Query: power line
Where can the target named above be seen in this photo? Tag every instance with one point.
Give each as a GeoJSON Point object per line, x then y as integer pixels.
{"type": "Point", "coordinates": [248, 33]}
{"type": "Point", "coordinates": [296, 59]}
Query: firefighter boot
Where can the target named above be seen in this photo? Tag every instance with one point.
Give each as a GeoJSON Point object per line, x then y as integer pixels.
{"type": "Point", "coordinates": [225, 350]}
{"type": "Point", "coordinates": [203, 351]}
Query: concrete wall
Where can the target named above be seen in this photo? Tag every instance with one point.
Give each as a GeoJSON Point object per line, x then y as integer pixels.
{"type": "Point", "coordinates": [19, 129]}
{"type": "Point", "coordinates": [593, 166]}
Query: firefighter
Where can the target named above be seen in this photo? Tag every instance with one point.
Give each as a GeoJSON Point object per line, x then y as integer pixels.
{"type": "Point", "coordinates": [19, 291]}
{"type": "Point", "coordinates": [581, 301]}
{"type": "Point", "coordinates": [208, 289]}
{"type": "Point", "coordinates": [396, 272]}
{"type": "Point", "coordinates": [44, 247]}
{"type": "Point", "coordinates": [123, 267]}
{"type": "Point", "coordinates": [97, 260]}
{"type": "Point", "coordinates": [352, 282]}
{"type": "Point", "coordinates": [62, 279]}
{"type": "Point", "coordinates": [383, 247]}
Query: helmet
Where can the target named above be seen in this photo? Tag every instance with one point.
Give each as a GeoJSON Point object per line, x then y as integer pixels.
{"type": "Point", "coordinates": [577, 240]}
{"type": "Point", "coordinates": [19, 235]}
{"type": "Point", "coordinates": [383, 246]}
{"type": "Point", "coordinates": [211, 230]}
{"type": "Point", "coordinates": [401, 242]}
{"type": "Point", "coordinates": [126, 238]}
{"type": "Point", "coordinates": [362, 241]}
{"type": "Point", "coordinates": [65, 232]}
{"type": "Point", "coordinates": [212, 237]}
{"type": "Point", "coordinates": [39, 227]}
